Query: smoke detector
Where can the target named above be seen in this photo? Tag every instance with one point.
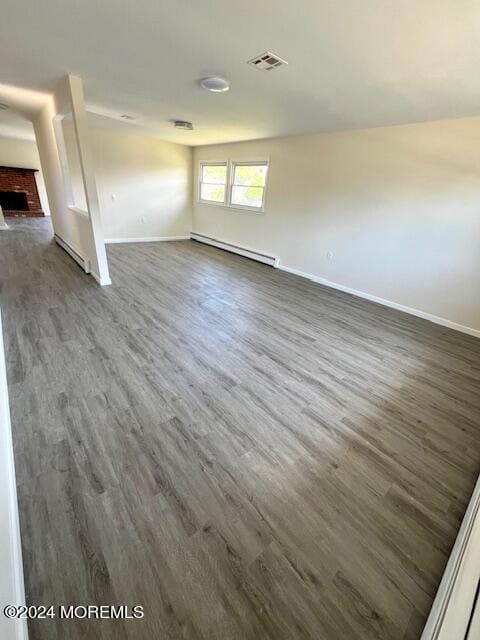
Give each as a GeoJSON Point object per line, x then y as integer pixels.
{"type": "Point", "coordinates": [183, 124]}
{"type": "Point", "coordinates": [4, 106]}
{"type": "Point", "coordinates": [217, 84]}
{"type": "Point", "coordinates": [267, 61]}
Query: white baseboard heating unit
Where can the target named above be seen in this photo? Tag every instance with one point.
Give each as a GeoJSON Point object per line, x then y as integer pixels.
{"type": "Point", "coordinates": [233, 248]}
{"type": "Point", "coordinates": [83, 262]}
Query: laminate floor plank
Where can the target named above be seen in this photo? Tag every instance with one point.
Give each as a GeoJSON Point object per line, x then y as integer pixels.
{"type": "Point", "coordinates": [244, 453]}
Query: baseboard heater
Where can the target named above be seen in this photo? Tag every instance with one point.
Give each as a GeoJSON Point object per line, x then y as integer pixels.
{"type": "Point", "coordinates": [233, 248]}
{"type": "Point", "coordinates": [83, 262]}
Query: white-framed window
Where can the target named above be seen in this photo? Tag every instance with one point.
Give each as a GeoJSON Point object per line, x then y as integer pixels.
{"type": "Point", "coordinates": [213, 182]}
{"type": "Point", "coordinates": [237, 184]}
{"type": "Point", "coordinates": [248, 183]}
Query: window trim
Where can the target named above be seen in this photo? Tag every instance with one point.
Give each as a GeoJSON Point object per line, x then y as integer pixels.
{"type": "Point", "coordinates": [247, 163]}
{"type": "Point", "coordinates": [214, 163]}
{"type": "Point", "coordinates": [230, 164]}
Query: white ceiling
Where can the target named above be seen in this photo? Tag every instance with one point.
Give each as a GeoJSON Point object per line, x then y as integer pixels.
{"type": "Point", "coordinates": [353, 63]}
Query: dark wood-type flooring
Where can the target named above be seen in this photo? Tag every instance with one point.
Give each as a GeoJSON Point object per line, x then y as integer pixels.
{"type": "Point", "coordinates": [244, 453]}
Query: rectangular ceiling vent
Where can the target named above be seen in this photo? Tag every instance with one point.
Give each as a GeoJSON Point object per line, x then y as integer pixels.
{"type": "Point", "coordinates": [267, 61]}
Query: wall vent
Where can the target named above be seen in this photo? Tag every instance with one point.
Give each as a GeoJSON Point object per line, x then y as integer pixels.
{"type": "Point", "coordinates": [267, 61]}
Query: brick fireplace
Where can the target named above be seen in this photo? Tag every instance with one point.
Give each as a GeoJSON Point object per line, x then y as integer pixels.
{"type": "Point", "coordinates": [19, 193]}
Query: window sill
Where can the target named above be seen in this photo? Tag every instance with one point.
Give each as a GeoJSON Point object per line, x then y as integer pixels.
{"type": "Point", "coordinates": [78, 211]}
{"type": "Point", "coordinates": [211, 203]}
{"type": "Point", "coordinates": [239, 207]}
{"type": "Point", "coordinates": [232, 206]}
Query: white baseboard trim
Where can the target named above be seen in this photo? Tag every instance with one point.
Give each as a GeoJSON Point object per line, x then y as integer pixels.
{"type": "Point", "coordinates": [12, 588]}
{"type": "Point", "coordinates": [233, 248]}
{"type": "Point", "coordinates": [103, 282]}
{"type": "Point", "coordinates": [454, 603]}
{"type": "Point", "coordinates": [386, 303]}
{"type": "Point", "coordinates": [73, 252]}
{"type": "Point", "coordinates": [147, 239]}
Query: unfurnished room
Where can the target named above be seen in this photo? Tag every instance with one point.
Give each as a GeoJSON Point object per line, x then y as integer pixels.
{"type": "Point", "coordinates": [239, 320]}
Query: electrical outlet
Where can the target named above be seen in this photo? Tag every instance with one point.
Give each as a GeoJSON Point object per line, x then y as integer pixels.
{"type": "Point", "coordinates": [330, 255]}
{"type": "Point", "coordinates": [144, 219]}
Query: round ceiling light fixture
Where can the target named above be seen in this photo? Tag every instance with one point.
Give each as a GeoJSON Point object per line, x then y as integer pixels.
{"type": "Point", "coordinates": [217, 84]}
{"type": "Point", "coordinates": [183, 124]}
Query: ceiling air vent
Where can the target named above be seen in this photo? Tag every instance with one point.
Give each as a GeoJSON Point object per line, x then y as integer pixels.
{"type": "Point", "coordinates": [267, 61]}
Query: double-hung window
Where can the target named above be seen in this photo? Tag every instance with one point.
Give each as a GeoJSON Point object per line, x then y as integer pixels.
{"type": "Point", "coordinates": [213, 182]}
{"type": "Point", "coordinates": [235, 184]}
{"type": "Point", "coordinates": [248, 182]}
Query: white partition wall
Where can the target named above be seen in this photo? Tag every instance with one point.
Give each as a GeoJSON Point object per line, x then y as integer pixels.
{"type": "Point", "coordinates": [78, 230]}
{"type": "Point", "coordinates": [12, 590]}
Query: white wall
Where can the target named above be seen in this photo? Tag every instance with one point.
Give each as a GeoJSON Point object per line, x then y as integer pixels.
{"type": "Point", "coordinates": [81, 230]}
{"type": "Point", "coordinates": [69, 226]}
{"type": "Point", "coordinates": [52, 173]}
{"type": "Point", "coordinates": [74, 166]}
{"type": "Point", "coordinates": [144, 184]}
{"type": "Point", "coordinates": [24, 154]}
{"type": "Point", "coordinates": [398, 207]}
{"type": "Point", "coordinates": [151, 181]}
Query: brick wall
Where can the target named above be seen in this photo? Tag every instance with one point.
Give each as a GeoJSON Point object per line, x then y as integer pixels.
{"type": "Point", "coordinates": [12, 179]}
